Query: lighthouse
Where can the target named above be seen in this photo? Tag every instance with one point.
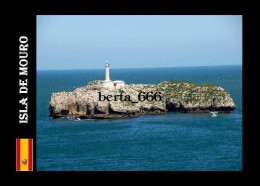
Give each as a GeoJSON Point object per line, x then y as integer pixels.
{"type": "Point", "coordinates": [107, 72]}
{"type": "Point", "coordinates": [111, 84]}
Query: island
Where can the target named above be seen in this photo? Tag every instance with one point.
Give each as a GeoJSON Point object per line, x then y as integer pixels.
{"type": "Point", "coordinates": [116, 99]}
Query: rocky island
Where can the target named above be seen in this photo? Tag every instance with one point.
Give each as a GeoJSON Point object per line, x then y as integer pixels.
{"type": "Point", "coordinates": [84, 102]}
{"type": "Point", "coordinates": [115, 99]}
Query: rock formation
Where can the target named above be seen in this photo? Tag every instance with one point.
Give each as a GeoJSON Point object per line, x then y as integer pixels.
{"type": "Point", "coordinates": [175, 96]}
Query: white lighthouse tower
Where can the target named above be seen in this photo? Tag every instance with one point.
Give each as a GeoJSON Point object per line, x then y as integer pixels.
{"type": "Point", "coordinates": [107, 72]}
{"type": "Point", "coordinates": [111, 84]}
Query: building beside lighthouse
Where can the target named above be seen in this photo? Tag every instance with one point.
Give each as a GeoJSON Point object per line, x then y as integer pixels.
{"type": "Point", "coordinates": [111, 84]}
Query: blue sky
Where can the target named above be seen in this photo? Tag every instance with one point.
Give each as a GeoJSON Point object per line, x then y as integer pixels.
{"type": "Point", "coordinates": [86, 42]}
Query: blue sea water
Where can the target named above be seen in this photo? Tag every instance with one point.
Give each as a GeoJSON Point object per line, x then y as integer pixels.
{"type": "Point", "coordinates": [168, 142]}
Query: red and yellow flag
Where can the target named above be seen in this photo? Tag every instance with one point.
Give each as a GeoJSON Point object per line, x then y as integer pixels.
{"type": "Point", "coordinates": [24, 154]}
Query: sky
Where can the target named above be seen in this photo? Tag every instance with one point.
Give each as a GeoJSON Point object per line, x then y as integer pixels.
{"type": "Point", "coordinates": [137, 41]}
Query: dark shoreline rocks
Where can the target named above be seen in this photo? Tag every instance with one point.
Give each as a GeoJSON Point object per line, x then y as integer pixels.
{"type": "Point", "coordinates": [176, 96]}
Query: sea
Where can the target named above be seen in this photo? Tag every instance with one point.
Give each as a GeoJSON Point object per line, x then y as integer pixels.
{"type": "Point", "coordinates": [168, 142]}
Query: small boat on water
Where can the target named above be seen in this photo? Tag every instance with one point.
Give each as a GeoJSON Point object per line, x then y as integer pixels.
{"type": "Point", "coordinates": [214, 114]}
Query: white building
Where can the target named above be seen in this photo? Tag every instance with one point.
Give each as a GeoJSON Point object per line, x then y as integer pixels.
{"type": "Point", "coordinates": [111, 84]}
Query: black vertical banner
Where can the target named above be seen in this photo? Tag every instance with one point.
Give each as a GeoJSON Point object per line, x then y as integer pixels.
{"type": "Point", "coordinates": [23, 66]}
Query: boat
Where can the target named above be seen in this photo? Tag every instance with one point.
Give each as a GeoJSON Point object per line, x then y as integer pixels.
{"type": "Point", "coordinates": [214, 114]}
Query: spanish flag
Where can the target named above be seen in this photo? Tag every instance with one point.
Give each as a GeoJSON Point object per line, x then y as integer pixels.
{"type": "Point", "coordinates": [24, 154]}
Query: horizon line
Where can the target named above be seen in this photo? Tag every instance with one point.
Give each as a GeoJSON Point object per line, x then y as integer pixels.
{"type": "Point", "coordinates": [141, 67]}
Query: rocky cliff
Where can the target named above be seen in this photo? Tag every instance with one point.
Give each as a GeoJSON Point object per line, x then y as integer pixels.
{"type": "Point", "coordinates": [88, 102]}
